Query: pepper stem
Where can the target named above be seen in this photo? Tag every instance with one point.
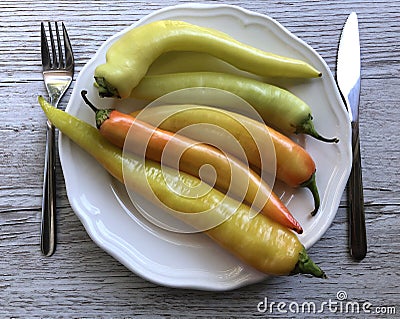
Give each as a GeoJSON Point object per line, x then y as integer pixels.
{"type": "Point", "coordinates": [105, 89]}
{"type": "Point", "coordinates": [306, 266]}
{"type": "Point", "coordinates": [307, 127]}
{"type": "Point", "coordinates": [311, 184]}
{"type": "Point", "coordinates": [101, 115]}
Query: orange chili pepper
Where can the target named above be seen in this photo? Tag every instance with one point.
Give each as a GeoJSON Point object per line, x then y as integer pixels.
{"type": "Point", "coordinates": [294, 165]}
{"type": "Point", "coordinates": [114, 126]}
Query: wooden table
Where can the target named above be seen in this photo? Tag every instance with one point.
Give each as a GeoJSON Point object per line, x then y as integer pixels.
{"type": "Point", "coordinates": [82, 281]}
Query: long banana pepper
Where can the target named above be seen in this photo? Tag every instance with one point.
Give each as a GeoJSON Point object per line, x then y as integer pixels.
{"type": "Point", "coordinates": [256, 240]}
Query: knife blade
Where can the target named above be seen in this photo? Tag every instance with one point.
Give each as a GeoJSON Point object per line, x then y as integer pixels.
{"type": "Point", "coordinates": [348, 76]}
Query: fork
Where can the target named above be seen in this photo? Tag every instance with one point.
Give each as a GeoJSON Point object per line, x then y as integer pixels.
{"type": "Point", "coordinates": [58, 71]}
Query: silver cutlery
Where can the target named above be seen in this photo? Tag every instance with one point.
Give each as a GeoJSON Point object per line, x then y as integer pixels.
{"type": "Point", "coordinates": [348, 75]}
{"type": "Point", "coordinates": [58, 71]}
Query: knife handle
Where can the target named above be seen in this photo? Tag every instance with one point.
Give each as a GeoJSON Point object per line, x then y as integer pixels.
{"type": "Point", "coordinates": [358, 237]}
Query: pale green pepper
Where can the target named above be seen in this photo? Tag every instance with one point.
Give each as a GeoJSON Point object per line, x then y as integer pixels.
{"type": "Point", "coordinates": [279, 108]}
{"type": "Point", "coordinates": [129, 57]}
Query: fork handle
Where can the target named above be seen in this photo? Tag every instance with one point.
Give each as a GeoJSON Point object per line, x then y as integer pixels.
{"type": "Point", "coordinates": [48, 226]}
{"type": "Point", "coordinates": [357, 231]}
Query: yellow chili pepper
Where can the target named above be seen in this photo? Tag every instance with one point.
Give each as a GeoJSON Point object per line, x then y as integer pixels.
{"type": "Point", "coordinates": [294, 165]}
{"type": "Point", "coordinates": [258, 241]}
{"type": "Point", "coordinates": [231, 175]}
{"type": "Point", "coordinates": [129, 57]}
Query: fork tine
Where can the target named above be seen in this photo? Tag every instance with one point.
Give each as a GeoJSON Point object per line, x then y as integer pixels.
{"type": "Point", "coordinates": [59, 46]}
{"type": "Point", "coordinates": [53, 48]}
{"type": "Point", "coordinates": [44, 49]}
{"type": "Point", "coordinates": [69, 56]}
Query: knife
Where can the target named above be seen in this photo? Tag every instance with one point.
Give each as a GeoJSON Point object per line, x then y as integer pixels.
{"type": "Point", "coordinates": [348, 74]}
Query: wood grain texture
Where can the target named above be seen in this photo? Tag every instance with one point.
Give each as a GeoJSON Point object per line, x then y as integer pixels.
{"type": "Point", "coordinates": [81, 280]}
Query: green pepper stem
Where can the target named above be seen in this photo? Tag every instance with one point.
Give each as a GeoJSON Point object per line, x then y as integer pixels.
{"type": "Point", "coordinates": [105, 89]}
{"type": "Point", "coordinates": [307, 127]}
{"type": "Point", "coordinates": [101, 115]}
{"type": "Point", "coordinates": [306, 266]}
{"type": "Point", "coordinates": [311, 184]}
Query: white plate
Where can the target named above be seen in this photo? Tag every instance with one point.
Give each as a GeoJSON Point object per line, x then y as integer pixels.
{"type": "Point", "coordinates": [194, 261]}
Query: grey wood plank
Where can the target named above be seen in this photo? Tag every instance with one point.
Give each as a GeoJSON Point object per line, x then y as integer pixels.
{"type": "Point", "coordinates": [83, 281]}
